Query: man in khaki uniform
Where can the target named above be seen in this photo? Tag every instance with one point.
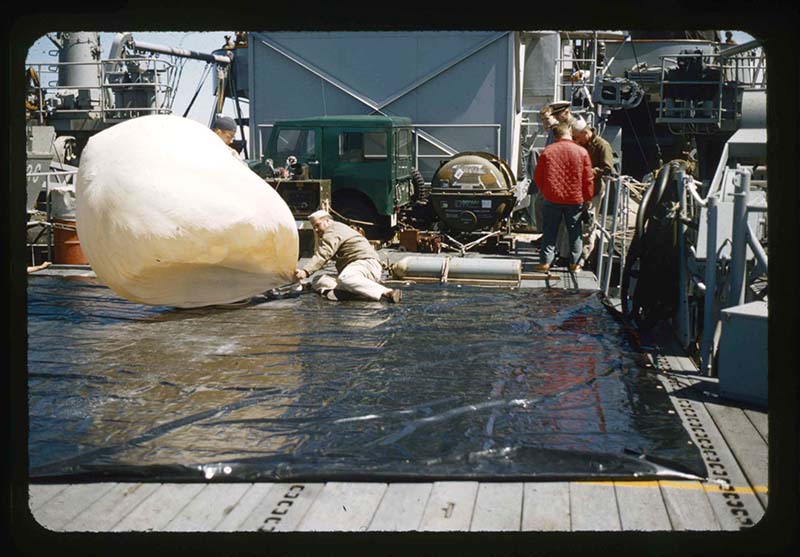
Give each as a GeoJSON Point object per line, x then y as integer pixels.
{"type": "Point", "coordinates": [357, 263]}
{"type": "Point", "coordinates": [602, 156]}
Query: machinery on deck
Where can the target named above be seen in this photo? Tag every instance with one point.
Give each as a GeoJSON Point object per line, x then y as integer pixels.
{"type": "Point", "coordinates": [474, 194]}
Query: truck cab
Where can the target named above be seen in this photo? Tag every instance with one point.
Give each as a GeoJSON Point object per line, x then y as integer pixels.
{"type": "Point", "coordinates": [369, 161]}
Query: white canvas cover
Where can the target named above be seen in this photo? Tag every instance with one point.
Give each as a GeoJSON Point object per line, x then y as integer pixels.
{"type": "Point", "coordinates": [166, 216]}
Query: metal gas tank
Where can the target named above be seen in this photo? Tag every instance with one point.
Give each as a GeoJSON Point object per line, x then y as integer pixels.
{"type": "Point", "coordinates": [472, 191]}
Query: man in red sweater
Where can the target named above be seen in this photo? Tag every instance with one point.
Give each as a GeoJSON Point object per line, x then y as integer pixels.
{"type": "Point", "coordinates": [565, 179]}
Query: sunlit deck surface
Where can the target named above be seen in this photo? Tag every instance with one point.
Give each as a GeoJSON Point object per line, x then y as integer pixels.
{"type": "Point", "coordinates": [732, 438]}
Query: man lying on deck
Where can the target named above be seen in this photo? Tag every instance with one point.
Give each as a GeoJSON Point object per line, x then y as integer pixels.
{"type": "Point", "coordinates": [357, 263]}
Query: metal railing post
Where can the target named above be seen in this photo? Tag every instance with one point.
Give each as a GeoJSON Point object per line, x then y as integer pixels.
{"type": "Point", "coordinates": [607, 276]}
{"type": "Point", "coordinates": [739, 237]}
{"type": "Point", "coordinates": [602, 239]}
{"type": "Point", "coordinates": [625, 212]}
{"type": "Point", "coordinates": [709, 324]}
{"type": "Point", "coordinates": [682, 313]}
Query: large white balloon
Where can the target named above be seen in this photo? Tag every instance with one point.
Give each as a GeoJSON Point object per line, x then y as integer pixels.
{"type": "Point", "coordinates": [166, 216]}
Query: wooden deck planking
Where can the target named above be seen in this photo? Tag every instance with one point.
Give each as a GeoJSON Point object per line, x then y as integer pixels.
{"type": "Point", "coordinates": [282, 507]}
{"type": "Point", "coordinates": [41, 494]}
{"type": "Point", "coordinates": [545, 507]}
{"type": "Point", "coordinates": [401, 508]}
{"type": "Point", "coordinates": [111, 508]}
{"type": "Point", "coordinates": [688, 506]}
{"type": "Point", "coordinates": [498, 507]}
{"type": "Point", "coordinates": [746, 444]}
{"type": "Point", "coordinates": [69, 503]}
{"type": "Point", "coordinates": [641, 506]}
{"type": "Point", "coordinates": [593, 506]}
{"type": "Point", "coordinates": [238, 513]}
{"type": "Point", "coordinates": [155, 512]}
{"type": "Point", "coordinates": [450, 507]}
{"type": "Point", "coordinates": [207, 508]}
{"type": "Point", "coordinates": [343, 506]}
{"type": "Point", "coordinates": [760, 421]}
{"type": "Point", "coordinates": [728, 490]}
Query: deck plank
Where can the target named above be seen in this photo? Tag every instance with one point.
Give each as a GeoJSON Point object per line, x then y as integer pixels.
{"type": "Point", "coordinates": [546, 507]}
{"type": "Point", "coordinates": [450, 507]}
{"type": "Point", "coordinates": [401, 508]}
{"type": "Point", "coordinates": [688, 506]}
{"type": "Point", "coordinates": [732, 498]}
{"type": "Point", "coordinates": [498, 507]}
{"type": "Point", "coordinates": [760, 421]}
{"type": "Point", "coordinates": [39, 494]}
{"type": "Point", "coordinates": [343, 506]}
{"type": "Point", "coordinates": [68, 504]}
{"type": "Point", "coordinates": [746, 443]}
{"type": "Point", "coordinates": [641, 506]}
{"type": "Point", "coordinates": [593, 506]}
{"type": "Point", "coordinates": [156, 511]}
{"type": "Point", "coordinates": [207, 509]}
{"type": "Point", "coordinates": [239, 512]}
{"type": "Point", "coordinates": [113, 506]}
{"type": "Point", "coordinates": [282, 507]}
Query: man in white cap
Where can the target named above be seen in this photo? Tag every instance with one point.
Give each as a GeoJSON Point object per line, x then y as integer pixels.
{"type": "Point", "coordinates": [357, 263]}
{"type": "Point", "coordinates": [602, 157]}
{"type": "Point", "coordinates": [553, 114]}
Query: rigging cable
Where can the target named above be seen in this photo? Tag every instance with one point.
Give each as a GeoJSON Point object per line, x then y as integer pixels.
{"type": "Point", "coordinates": [206, 71]}
{"type": "Point", "coordinates": [235, 96]}
{"type": "Point", "coordinates": [649, 116]}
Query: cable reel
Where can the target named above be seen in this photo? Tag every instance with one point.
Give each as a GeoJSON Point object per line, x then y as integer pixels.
{"type": "Point", "coordinates": [651, 273]}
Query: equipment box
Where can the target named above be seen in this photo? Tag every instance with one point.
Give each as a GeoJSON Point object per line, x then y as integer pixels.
{"type": "Point", "coordinates": [743, 353]}
{"type": "Point", "coordinates": [304, 196]}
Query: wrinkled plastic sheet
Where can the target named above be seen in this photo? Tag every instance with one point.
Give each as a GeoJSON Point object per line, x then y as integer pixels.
{"type": "Point", "coordinates": [453, 383]}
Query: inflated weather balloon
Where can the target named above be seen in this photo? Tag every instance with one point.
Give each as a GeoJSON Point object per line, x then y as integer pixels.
{"type": "Point", "coordinates": [166, 216]}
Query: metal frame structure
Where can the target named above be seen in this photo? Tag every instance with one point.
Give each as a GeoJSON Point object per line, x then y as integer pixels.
{"type": "Point", "coordinates": [744, 65]}
{"type": "Point", "coordinates": [380, 105]}
{"type": "Point", "coordinates": [105, 110]}
{"type": "Point", "coordinates": [718, 295]}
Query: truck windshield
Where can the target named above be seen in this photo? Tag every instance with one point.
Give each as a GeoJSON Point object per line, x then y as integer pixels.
{"type": "Point", "coordinates": [360, 146]}
{"type": "Point", "coordinates": [300, 143]}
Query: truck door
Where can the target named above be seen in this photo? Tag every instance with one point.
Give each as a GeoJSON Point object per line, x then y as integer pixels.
{"type": "Point", "coordinates": [363, 166]}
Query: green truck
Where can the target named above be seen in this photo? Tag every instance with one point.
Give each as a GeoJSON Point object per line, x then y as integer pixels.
{"type": "Point", "coordinates": [369, 161]}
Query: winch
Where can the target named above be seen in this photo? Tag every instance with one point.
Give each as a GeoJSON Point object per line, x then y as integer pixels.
{"type": "Point", "coordinates": [473, 191]}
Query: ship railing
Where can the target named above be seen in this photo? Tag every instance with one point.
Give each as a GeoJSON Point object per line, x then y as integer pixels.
{"type": "Point", "coordinates": [116, 95]}
{"type": "Point", "coordinates": [740, 67]}
{"type": "Point", "coordinates": [716, 295]}
{"type": "Point", "coordinates": [575, 77]}
{"type": "Point", "coordinates": [614, 237]}
{"type": "Point", "coordinates": [45, 219]}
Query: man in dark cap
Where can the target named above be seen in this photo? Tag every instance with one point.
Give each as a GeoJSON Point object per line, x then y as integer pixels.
{"type": "Point", "coordinates": [225, 128]}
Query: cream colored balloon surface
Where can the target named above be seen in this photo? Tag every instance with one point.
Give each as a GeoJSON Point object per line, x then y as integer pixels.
{"type": "Point", "coordinates": [166, 216]}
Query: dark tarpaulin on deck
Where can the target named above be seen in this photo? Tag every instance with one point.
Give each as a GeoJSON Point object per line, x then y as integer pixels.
{"type": "Point", "coordinates": [454, 382]}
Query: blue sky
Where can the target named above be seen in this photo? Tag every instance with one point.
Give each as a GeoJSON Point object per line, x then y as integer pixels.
{"type": "Point", "coordinates": [201, 41]}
